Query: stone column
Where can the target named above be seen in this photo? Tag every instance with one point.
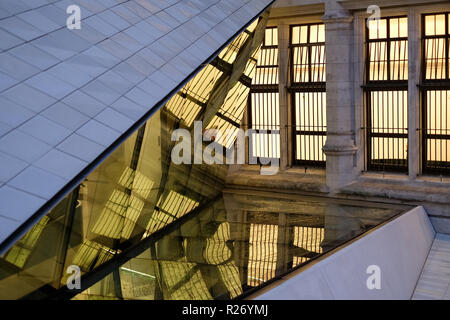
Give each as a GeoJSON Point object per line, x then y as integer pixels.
{"type": "Point", "coordinates": [359, 63]}
{"type": "Point", "coordinates": [340, 146]}
{"type": "Point", "coordinates": [414, 143]}
{"type": "Point", "coordinates": [283, 61]}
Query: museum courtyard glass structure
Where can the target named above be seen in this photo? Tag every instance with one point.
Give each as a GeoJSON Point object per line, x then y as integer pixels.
{"type": "Point", "coordinates": [319, 124]}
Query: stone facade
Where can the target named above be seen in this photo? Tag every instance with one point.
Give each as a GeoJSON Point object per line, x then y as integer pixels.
{"type": "Point", "coordinates": [346, 174]}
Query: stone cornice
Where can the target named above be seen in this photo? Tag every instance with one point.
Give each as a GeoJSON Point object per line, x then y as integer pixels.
{"type": "Point", "coordinates": [339, 150]}
{"type": "Point", "coordinates": [337, 17]}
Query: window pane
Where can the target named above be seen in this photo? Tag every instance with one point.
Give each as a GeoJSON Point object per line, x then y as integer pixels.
{"type": "Point", "coordinates": [299, 34]}
{"type": "Point", "coordinates": [399, 60]}
{"type": "Point", "coordinates": [436, 66]}
{"type": "Point", "coordinates": [308, 61]}
{"type": "Point", "coordinates": [438, 129]}
{"type": "Point", "coordinates": [377, 29]}
{"type": "Point", "coordinates": [300, 64]}
{"type": "Point", "coordinates": [398, 27]}
{"type": "Point", "coordinates": [310, 125]}
{"type": "Point", "coordinates": [271, 37]}
{"type": "Point", "coordinates": [309, 75]}
{"type": "Point", "coordinates": [388, 59]}
{"type": "Point", "coordinates": [388, 130]}
{"type": "Point", "coordinates": [265, 145]}
{"type": "Point", "coordinates": [378, 61]}
{"type": "Point", "coordinates": [435, 58]}
{"type": "Point", "coordinates": [435, 25]}
{"type": "Point", "coordinates": [267, 64]}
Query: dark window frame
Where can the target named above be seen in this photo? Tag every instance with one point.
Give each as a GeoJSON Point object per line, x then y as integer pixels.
{"type": "Point", "coordinates": [304, 87]}
{"type": "Point", "coordinates": [370, 86]}
{"type": "Point", "coordinates": [262, 88]}
{"type": "Point", "coordinates": [429, 85]}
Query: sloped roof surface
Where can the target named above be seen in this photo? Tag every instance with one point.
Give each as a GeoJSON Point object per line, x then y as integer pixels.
{"type": "Point", "coordinates": [67, 95]}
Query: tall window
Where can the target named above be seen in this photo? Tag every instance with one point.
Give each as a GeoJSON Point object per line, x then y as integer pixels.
{"type": "Point", "coordinates": [436, 93]}
{"type": "Point", "coordinates": [264, 116]}
{"type": "Point", "coordinates": [387, 94]}
{"type": "Point", "coordinates": [308, 93]}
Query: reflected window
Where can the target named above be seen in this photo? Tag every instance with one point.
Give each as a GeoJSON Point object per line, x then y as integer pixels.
{"type": "Point", "coordinates": [308, 241]}
{"type": "Point", "coordinates": [262, 261]}
{"type": "Point", "coordinates": [386, 94]}
{"type": "Point", "coordinates": [173, 206]}
{"type": "Point", "coordinates": [436, 93]}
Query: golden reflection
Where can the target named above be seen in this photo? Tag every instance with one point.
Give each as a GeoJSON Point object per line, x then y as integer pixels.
{"type": "Point", "coordinates": [20, 252]}
{"type": "Point", "coordinates": [309, 239]}
{"type": "Point", "coordinates": [262, 261]}
{"type": "Point", "coordinates": [174, 205]}
{"type": "Point", "coordinates": [136, 181]}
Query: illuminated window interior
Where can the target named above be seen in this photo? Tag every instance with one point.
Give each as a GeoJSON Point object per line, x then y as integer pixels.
{"type": "Point", "coordinates": [436, 93]}
{"type": "Point", "coordinates": [308, 76]}
{"type": "Point", "coordinates": [436, 34]}
{"type": "Point", "coordinates": [386, 94]}
{"type": "Point", "coordinates": [388, 49]}
{"type": "Point", "coordinates": [264, 117]}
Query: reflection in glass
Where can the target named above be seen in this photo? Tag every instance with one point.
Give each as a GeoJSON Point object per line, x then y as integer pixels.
{"type": "Point", "coordinates": [239, 242]}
